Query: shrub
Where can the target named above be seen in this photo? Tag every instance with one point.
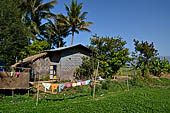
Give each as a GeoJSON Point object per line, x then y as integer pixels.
{"type": "Point", "coordinates": [159, 67]}
{"type": "Point", "coordinates": [106, 84]}
{"type": "Point", "coordinates": [137, 80]}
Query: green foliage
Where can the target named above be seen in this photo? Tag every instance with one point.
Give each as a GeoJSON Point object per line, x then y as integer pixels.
{"type": "Point", "coordinates": [113, 85]}
{"type": "Point", "coordinates": [124, 71]}
{"type": "Point", "coordinates": [34, 11]}
{"type": "Point", "coordinates": [85, 70]}
{"type": "Point", "coordinates": [54, 32]}
{"type": "Point", "coordinates": [106, 84]}
{"type": "Point", "coordinates": [35, 48]}
{"type": "Point", "coordinates": [161, 82]}
{"type": "Point", "coordinates": [137, 80]}
{"type": "Point", "coordinates": [111, 54]}
{"type": "Point", "coordinates": [159, 67]}
{"type": "Point", "coordinates": [75, 20]}
{"type": "Point", "coordinates": [144, 52]}
{"type": "Point", "coordinates": [13, 33]}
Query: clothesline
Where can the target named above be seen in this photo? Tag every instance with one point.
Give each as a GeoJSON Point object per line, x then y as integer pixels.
{"type": "Point", "coordinates": [61, 86]}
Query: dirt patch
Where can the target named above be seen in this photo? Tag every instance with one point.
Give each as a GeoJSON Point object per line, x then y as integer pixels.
{"type": "Point", "coordinates": [166, 76]}
{"type": "Point", "coordinates": [163, 76]}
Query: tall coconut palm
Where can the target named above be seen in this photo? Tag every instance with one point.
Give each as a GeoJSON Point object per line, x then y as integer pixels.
{"type": "Point", "coordinates": [54, 32]}
{"type": "Point", "coordinates": [35, 11]}
{"type": "Point", "coordinates": [75, 20]}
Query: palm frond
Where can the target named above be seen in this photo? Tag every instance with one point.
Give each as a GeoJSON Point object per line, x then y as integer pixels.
{"type": "Point", "coordinates": [47, 6]}
{"type": "Point", "coordinates": [84, 29]}
{"type": "Point", "coordinates": [67, 9]}
{"type": "Point", "coordinates": [82, 16]}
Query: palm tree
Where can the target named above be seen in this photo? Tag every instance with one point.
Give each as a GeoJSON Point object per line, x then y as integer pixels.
{"type": "Point", "coordinates": [75, 20]}
{"type": "Point", "coordinates": [54, 32]}
{"type": "Point", "coordinates": [35, 11]}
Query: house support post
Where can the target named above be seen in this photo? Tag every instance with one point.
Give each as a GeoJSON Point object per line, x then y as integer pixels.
{"type": "Point", "coordinates": [12, 93]}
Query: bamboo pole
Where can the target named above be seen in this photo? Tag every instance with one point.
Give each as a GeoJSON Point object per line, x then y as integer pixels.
{"type": "Point", "coordinates": [94, 87]}
{"type": "Point", "coordinates": [38, 90]}
{"type": "Point", "coordinates": [127, 83]}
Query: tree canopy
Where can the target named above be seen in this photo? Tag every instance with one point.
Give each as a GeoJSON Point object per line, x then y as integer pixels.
{"type": "Point", "coordinates": [75, 19]}
{"type": "Point", "coordinates": [14, 36]}
{"type": "Point", "coordinates": [144, 52]}
{"type": "Point", "coordinates": [111, 54]}
{"type": "Point", "coordinates": [34, 11]}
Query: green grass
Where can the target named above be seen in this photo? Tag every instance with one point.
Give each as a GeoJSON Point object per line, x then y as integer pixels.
{"type": "Point", "coordinates": [141, 100]}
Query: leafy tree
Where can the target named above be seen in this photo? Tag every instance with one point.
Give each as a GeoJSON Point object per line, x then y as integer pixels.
{"type": "Point", "coordinates": [143, 54]}
{"type": "Point", "coordinates": [75, 20]}
{"type": "Point", "coordinates": [34, 12]}
{"type": "Point", "coordinates": [35, 48]}
{"type": "Point", "coordinates": [13, 33]}
{"type": "Point", "coordinates": [159, 67]}
{"type": "Point", "coordinates": [111, 54]}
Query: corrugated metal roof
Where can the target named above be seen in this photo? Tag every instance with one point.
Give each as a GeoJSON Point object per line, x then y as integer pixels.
{"type": "Point", "coordinates": [63, 48]}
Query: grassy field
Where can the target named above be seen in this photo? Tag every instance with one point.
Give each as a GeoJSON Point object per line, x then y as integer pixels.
{"type": "Point", "coordinates": [115, 99]}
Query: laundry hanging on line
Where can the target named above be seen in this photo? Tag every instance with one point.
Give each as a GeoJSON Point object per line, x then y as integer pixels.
{"type": "Point", "coordinates": [54, 86]}
{"type": "Point", "coordinates": [17, 74]}
{"type": "Point", "coordinates": [68, 85]}
{"type": "Point", "coordinates": [83, 83]}
{"type": "Point", "coordinates": [78, 83]}
{"type": "Point", "coordinates": [46, 85]}
{"type": "Point", "coordinates": [61, 86]}
{"type": "Point", "coordinates": [74, 84]}
{"type": "Point", "coordinates": [87, 82]}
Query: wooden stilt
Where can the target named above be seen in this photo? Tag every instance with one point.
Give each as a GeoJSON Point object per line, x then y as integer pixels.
{"type": "Point", "coordinates": [12, 93]}
{"type": "Point", "coordinates": [94, 87]}
{"type": "Point", "coordinates": [28, 92]}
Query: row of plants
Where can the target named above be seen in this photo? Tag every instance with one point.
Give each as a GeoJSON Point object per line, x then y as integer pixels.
{"type": "Point", "coordinates": [112, 55]}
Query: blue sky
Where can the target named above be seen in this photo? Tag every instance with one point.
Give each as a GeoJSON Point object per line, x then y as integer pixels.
{"type": "Point", "coordinates": [147, 20]}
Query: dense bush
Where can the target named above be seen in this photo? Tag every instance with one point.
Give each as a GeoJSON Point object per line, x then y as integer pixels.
{"type": "Point", "coordinates": [137, 80]}
{"type": "Point", "coordinates": [159, 66]}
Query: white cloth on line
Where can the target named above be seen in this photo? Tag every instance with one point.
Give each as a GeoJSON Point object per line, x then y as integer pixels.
{"type": "Point", "coordinates": [12, 74]}
{"type": "Point", "coordinates": [46, 85]}
{"type": "Point", "coordinates": [78, 83]}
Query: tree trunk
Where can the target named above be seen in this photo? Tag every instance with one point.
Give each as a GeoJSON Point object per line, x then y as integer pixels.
{"type": "Point", "coordinates": [59, 43]}
{"type": "Point", "coordinates": [72, 38]}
